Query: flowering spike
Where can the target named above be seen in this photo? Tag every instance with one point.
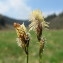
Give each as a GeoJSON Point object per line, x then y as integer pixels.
{"type": "Point", "coordinates": [23, 37]}
{"type": "Point", "coordinates": [37, 19]}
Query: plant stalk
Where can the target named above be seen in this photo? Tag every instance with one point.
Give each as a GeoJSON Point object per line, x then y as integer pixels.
{"type": "Point", "coordinates": [27, 55]}
{"type": "Point", "coordinates": [42, 42]}
{"type": "Point", "coordinates": [40, 57]}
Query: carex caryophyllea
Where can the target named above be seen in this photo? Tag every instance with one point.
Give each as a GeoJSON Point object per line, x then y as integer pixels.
{"type": "Point", "coordinates": [23, 37]}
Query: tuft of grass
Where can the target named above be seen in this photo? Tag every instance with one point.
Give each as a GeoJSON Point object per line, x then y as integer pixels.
{"type": "Point", "coordinates": [10, 52]}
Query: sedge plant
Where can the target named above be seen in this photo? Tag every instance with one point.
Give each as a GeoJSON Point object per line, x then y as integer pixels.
{"type": "Point", "coordinates": [23, 37]}
{"type": "Point", "coordinates": [38, 25]}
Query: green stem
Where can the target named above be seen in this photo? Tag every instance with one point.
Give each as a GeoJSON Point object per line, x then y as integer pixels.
{"type": "Point", "coordinates": [40, 57]}
{"type": "Point", "coordinates": [27, 55]}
